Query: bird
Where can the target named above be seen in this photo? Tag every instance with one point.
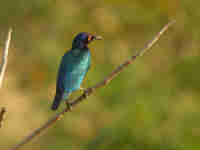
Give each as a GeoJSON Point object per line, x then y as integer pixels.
{"type": "Point", "coordinates": [73, 68]}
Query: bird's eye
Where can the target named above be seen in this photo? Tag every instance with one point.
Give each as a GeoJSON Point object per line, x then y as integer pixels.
{"type": "Point", "coordinates": [89, 37]}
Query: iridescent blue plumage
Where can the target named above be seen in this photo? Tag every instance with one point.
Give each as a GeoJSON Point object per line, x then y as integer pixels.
{"type": "Point", "coordinates": [73, 68]}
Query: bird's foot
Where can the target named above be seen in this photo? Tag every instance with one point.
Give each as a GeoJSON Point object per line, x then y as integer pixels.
{"type": "Point", "coordinates": [84, 92]}
{"type": "Point", "coordinates": [68, 106]}
{"type": "Point", "coordinates": [87, 92]}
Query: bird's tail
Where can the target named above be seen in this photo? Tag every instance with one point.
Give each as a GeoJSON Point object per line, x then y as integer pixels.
{"type": "Point", "coordinates": [56, 102]}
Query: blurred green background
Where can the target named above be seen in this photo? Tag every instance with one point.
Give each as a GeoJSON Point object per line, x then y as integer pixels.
{"type": "Point", "coordinates": [153, 105]}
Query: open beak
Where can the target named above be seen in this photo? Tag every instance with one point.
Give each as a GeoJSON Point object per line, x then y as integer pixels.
{"type": "Point", "coordinates": [93, 37]}
{"type": "Point", "coordinates": [98, 38]}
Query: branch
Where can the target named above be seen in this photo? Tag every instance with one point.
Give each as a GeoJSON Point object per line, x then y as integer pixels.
{"type": "Point", "coordinates": [91, 90]}
{"type": "Point", "coordinates": [5, 57]}
{"type": "Point", "coordinates": [3, 69]}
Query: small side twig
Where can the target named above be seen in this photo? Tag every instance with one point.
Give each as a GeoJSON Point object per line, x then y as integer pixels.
{"type": "Point", "coordinates": [5, 57]}
{"type": "Point", "coordinates": [2, 115]}
{"type": "Point", "coordinates": [91, 90]}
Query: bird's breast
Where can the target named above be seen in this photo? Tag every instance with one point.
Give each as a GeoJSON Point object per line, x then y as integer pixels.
{"type": "Point", "coordinates": [81, 63]}
{"type": "Point", "coordinates": [77, 62]}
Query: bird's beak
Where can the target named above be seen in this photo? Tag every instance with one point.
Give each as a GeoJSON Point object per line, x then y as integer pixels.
{"type": "Point", "coordinates": [98, 38]}
{"type": "Point", "coordinates": [93, 37]}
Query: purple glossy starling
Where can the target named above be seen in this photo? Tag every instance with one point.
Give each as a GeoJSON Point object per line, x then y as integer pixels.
{"type": "Point", "coordinates": [73, 68]}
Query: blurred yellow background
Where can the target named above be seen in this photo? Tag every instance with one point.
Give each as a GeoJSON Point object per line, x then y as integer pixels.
{"type": "Point", "coordinates": [153, 105]}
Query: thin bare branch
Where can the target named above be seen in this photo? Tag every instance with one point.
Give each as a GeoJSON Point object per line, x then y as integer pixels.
{"type": "Point", "coordinates": [3, 69]}
{"type": "Point", "coordinates": [91, 90]}
{"type": "Point", "coordinates": [155, 39]}
{"type": "Point", "coordinates": [5, 57]}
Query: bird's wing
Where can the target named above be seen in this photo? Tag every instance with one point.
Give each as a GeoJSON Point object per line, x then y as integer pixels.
{"type": "Point", "coordinates": [62, 75]}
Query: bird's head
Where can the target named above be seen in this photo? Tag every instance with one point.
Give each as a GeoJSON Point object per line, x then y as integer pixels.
{"type": "Point", "coordinates": [83, 39]}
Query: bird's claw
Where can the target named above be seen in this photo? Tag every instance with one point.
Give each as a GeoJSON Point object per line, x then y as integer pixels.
{"type": "Point", "coordinates": [84, 92]}
{"type": "Point", "coordinates": [68, 106]}
{"type": "Point", "coordinates": [87, 92]}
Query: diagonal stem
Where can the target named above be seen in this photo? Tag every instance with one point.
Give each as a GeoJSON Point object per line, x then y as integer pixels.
{"type": "Point", "coordinates": [5, 57]}
{"type": "Point", "coordinates": [3, 69]}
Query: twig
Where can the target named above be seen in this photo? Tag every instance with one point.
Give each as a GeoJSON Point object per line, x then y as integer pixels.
{"type": "Point", "coordinates": [91, 90]}
{"type": "Point", "coordinates": [3, 69]}
{"type": "Point", "coordinates": [5, 57]}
